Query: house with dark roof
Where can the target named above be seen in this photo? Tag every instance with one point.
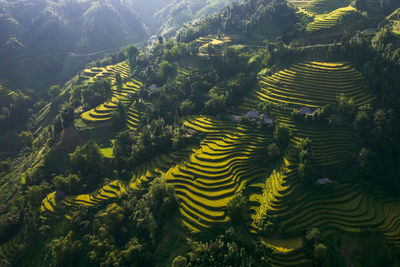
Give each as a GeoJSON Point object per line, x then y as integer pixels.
{"type": "Point", "coordinates": [152, 87]}
{"type": "Point", "coordinates": [235, 118]}
{"type": "Point", "coordinates": [323, 181]}
{"type": "Point", "coordinates": [306, 111]}
{"type": "Point", "coordinates": [253, 114]}
{"type": "Point", "coordinates": [266, 120]}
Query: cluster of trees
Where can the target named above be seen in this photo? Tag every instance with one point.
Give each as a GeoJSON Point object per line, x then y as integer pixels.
{"type": "Point", "coordinates": [315, 247]}
{"type": "Point", "coordinates": [154, 138]}
{"type": "Point", "coordinates": [91, 95]}
{"type": "Point", "coordinates": [231, 248]}
{"type": "Point", "coordinates": [15, 109]}
{"type": "Point", "coordinates": [368, 248]}
{"type": "Point", "coordinates": [282, 135]}
{"type": "Point", "coordinates": [305, 158]}
{"type": "Point", "coordinates": [209, 91]}
{"type": "Point", "coordinates": [123, 233]}
{"type": "Point", "coordinates": [5, 166]}
{"type": "Point", "coordinates": [255, 18]}
{"type": "Point", "coordinates": [88, 162]}
{"type": "Point", "coordinates": [10, 223]}
{"type": "Point", "coordinates": [376, 150]}
{"type": "Point", "coordinates": [381, 7]}
{"type": "Point", "coordinates": [64, 119]}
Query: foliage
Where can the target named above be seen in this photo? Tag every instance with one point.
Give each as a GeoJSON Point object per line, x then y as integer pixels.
{"type": "Point", "coordinates": [179, 261]}
{"type": "Point", "coordinates": [167, 71]}
{"type": "Point", "coordinates": [226, 250]}
{"type": "Point", "coordinates": [118, 117]}
{"type": "Point", "coordinates": [93, 94]}
{"type": "Point", "coordinates": [156, 137]}
{"type": "Point", "coordinates": [321, 254]}
{"type": "Point", "coordinates": [282, 134]}
{"type": "Point", "coordinates": [305, 159]}
{"type": "Point", "coordinates": [55, 162]}
{"type": "Point", "coordinates": [5, 165]}
{"type": "Point", "coordinates": [88, 161]}
{"type": "Point", "coordinates": [346, 105]}
{"type": "Point", "coordinates": [273, 151]}
{"type": "Point", "coordinates": [65, 251]}
{"type": "Point", "coordinates": [68, 184]}
{"type": "Point", "coordinates": [132, 52]}
{"type": "Point", "coordinates": [54, 91]}
{"type": "Point", "coordinates": [162, 199]}
{"type": "Point", "coordinates": [10, 223]}
{"type": "Point", "coordinates": [67, 115]}
{"type": "Point", "coordinates": [26, 138]}
{"type": "Point", "coordinates": [253, 18]}
{"type": "Point", "coordinates": [237, 210]}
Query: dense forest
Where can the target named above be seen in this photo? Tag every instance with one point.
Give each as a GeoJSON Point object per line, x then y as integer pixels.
{"type": "Point", "coordinates": [263, 135]}
{"type": "Point", "coordinates": [48, 42]}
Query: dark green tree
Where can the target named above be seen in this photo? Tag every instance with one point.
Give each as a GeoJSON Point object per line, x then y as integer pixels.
{"type": "Point", "coordinates": [282, 134]}
{"type": "Point", "coordinates": [237, 210]}
{"type": "Point", "coordinates": [88, 161]}
{"type": "Point", "coordinates": [26, 138]}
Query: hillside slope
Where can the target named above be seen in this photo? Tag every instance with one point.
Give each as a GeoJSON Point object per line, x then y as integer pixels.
{"type": "Point", "coordinates": [52, 40]}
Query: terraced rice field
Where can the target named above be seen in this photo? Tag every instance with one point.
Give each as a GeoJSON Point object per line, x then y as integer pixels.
{"type": "Point", "coordinates": [270, 196]}
{"type": "Point", "coordinates": [310, 84]}
{"type": "Point", "coordinates": [121, 94]}
{"type": "Point", "coordinates": [321, 6]}
{"type": "Point", "coordinates": [329, 20]}
{"type": "Point", "coordinates": [110, 71]}
{"type": "Point", "coordinates": [338, 208]}
{"type": "Point", "coordinates": [225, 161]}
{"type": "Point", "coordinates": [182, 71]}
{"type": "Point", "coordinates": [143, 175]}
{"type": "Point", "coordinates": [396, 26]}
{"type": "Point", "coordinates": [49, 203]}
{"type": "Point", "coordinates": [108, 152]}
{"type": "Point", "coordinates": [133, 118]}
{"type": "Point", "coordinates": [394, 20]}
{"type": "Point", "coordinates": [99, 113]}
{"type": "Point", "coordinates": [329, 146]}
{"type": "Point", "coordinates": [293, 258]}
{"type": "Point", "coordinates": [204, 41]}
{"type": "Point", "coordinates": [288, 251]}
{"type": "Point", "coordinates": [326, 13]}
{"type": "Point", "coordinates": [112, 190]}
{"type": "Point", "coordinates": [5, 94]}
{"type": "Point", "coordinates": [157, 167]}
{"type": "Point", "coordinates": [343, 207]}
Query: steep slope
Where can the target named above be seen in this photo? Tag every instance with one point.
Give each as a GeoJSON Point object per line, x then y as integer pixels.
{"type": "Point", "coordinates": [174, 15]}
{"type": "Point", "coordinates": [256, 20]}
{"type": "Point", "coordinates": [49, 41]}
{"type": "Point", "coordinates": [58, 26]}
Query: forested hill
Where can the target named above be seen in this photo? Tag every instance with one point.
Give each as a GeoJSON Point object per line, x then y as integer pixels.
{"type": "Point", "coordinates": [48, 41]}
{"type": "Point", "coordinates": [256, 19]}
{"type": "Point", "coordinates": [39, 37]}
{"type": "Point", "coordinates": [174, 15]}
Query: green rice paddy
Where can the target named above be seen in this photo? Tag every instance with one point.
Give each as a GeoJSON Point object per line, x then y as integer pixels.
{"type": "Point", "coordinates": [120, 94]}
